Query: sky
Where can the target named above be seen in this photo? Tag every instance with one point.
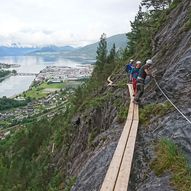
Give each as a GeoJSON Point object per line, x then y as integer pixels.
{"type": "Point", "coordinates": [63, 22]}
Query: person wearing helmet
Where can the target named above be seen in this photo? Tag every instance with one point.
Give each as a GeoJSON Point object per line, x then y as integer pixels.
{"type": "Point", "coordinates": [128, 69]}
{"type": "Point", "coordinates": [135, 73]}
{"type": "Point", "coordinates": [143, 73]}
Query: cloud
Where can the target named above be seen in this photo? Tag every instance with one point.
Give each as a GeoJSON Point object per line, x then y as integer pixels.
{"type": "Point", "coordinates": [37, 22]}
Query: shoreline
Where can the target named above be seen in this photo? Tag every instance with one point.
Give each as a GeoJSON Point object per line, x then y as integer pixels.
{"type": "Point", "coordinates": [5, 77]}
{"type": "Point", "coordinates": [56, 74]}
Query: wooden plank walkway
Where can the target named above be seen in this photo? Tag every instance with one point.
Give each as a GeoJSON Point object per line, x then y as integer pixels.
{"type": "Point", "coordinates": [118, 173]}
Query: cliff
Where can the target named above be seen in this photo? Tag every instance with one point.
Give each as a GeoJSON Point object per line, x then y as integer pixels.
{"type": "Point", "coordinates": [172, 57]}
{"type": "Point", "coordinates": [86, 134]}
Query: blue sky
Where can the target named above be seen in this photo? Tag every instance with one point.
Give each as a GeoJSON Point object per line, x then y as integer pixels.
{"type": "Point", "coordinates": [63, 22]}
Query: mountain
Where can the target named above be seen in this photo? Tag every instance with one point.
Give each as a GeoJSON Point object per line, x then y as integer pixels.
{"type": "Point", "coordinates": [52, 49]}
{"type": "Point", "coordinates": [86, 52]}
{"type": "Point", "coordinates": [89, 51]}
{"type": "Point", "coordinates": [15, 50]}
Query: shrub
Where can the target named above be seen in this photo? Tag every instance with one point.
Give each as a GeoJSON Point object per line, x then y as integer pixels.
{"type": "Point", "coordinates": [153, 110]}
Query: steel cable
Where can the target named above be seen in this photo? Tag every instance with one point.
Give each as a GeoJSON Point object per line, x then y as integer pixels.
{"type": "Point", "coordinates": [171, 101]}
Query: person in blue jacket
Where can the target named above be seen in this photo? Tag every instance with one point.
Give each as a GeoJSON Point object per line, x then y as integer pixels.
{"type": "Point", "coordinates": [128, 69]}
{"type": "Point", "coordinates": [135, 73]}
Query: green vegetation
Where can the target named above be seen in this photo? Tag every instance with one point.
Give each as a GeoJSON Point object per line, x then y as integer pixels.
{"type": "Point", "coordinates": [91, 137]}
{"type": "Point", "coordinates": [85, 94]}
{"type": "Point", "coordinates": [96, 102]}
{"type": "Point", "coordinates": [174, 4]}
{"type": "Point", "coordinates": [52, 85]}
{"type": "Point", "coordinates": [122, 83]}
{"type": "Point", "coordinates": [42, 90]}
{"type": "Point", "coordinates": [170, 158]}
{"type": "Point", "coordinates": [89, 51]}
{"type": "Point", "coordinates": [122, 110]}
{"type": "Point", "coordinates": [37, 92]}
{"type": "Point", "coordinates": [26, 160]}
{"type": "Point", "coordinates": [4, 123]}
{"type": "Point", "coordinates": [4, 73]}
{"type": "Point", "coordinates": [70, 183]}
{"type": "Point", "coordinates": [187, 25]}
{"type": "Point", "coordinates": [146, 25]}
{"type": "Point", "coordinates": [154, 110]}
{"type": "Point", "coordinates": [6, 103]}
{"type": "Point", "coordinates": [122, 113]}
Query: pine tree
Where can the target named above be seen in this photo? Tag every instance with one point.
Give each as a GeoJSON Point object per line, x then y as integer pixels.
{"type": "Point", "coordinates": [112, 54]}
{"type": "Point", "coordinates": [156, 4]}
{"type": "Point", "coordinates": [135, 31]}
{"type": "Point", "coordinates": [101, 57]}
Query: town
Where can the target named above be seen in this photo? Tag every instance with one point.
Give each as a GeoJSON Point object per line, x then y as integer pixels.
{"type": "Point", "coordinates": [58, 74]}
{"type": "Point", "coordinates": [5, 65]}
{"type": "Point", "coordinates": [48, 95]}
{"type": "Point", "coordinates": [46, 107]}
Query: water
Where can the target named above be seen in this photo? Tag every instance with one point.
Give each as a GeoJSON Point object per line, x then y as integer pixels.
{"type": "Point", "coordinates": [15, 85]}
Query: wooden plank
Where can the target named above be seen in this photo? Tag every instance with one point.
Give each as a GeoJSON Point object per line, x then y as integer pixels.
{"type": "Point", "coordinates": [125, 168]}
{"type": "Point", "coordinates": [109, 81]}
{"type": "Point", "coordinates": [112, 173]}
{"type": "Point", "coordinates": [113, 170]}
{"type": "Point", "coordinates": [130, 91]}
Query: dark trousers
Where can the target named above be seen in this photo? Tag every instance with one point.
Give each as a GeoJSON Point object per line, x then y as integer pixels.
{"type": "Point", "coordinates": [140, 91]}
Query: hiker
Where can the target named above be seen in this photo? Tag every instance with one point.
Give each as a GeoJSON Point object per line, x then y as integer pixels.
{"type": "Point", "coordinates": [143, 72]}
{"type": "Point", "coordinates": [128, 69]}
{"type": "Point", "coordinates": [134, 74]}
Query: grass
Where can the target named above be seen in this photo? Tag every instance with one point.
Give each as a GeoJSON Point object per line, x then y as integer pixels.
{"type": "Point", "coordinates": [96, 102]}
{"type": "Point", "coordinates": [153, 110]}
{"type": "Point", "coordinates": [70, 183]}
{"type": "Point", "coordinates": [122, 113]}
{"type": "Point", "coordinates": [91, 136]}
{"type": "Point", "coordinates": [39, 91]}
{"type": "Point", "coordinates": [122, 110]}
{"type": "Point", "coordinates": [174, 4]}
{"type": "Point", "coordinates": [122, 84]}
{"type": "Point", "coordinates": [170, 158]}
{"type": "Point", "coordinates": [187, 25]}
{"type": "Point", "coordinates": [35, 93]}
{"type": "Point", "coordinates": [4, 123]}
{"type": "Point", "coordinates": [54, 85]}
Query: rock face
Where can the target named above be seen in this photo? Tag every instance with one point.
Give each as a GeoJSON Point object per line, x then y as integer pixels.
{"type": "Point", "coordinates": [98, 130]}
{"type": "Point", "coordinates": [172, 57]}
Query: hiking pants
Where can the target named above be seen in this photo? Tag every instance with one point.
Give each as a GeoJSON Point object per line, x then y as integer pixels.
{"type": "Point", "coordinates": [135, 86]}
{"type": "Point", "coordinates": [140, 91]}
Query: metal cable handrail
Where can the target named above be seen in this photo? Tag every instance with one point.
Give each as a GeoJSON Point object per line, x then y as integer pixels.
{"type": "Point", "coordinates": [171, 101]}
